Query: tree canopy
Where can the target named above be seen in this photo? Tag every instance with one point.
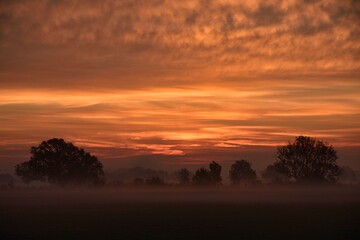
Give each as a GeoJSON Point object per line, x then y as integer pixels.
{"type": "Point", "coordinates": [241, 172]}
{"type": "Point", "coordinates": [308, 160]}
{"type": "Point", "coordinates": [155, 181]}
{"type": "Point", "coordinates": [271, 175]}
{"type": "Point", "coordinates": [215, 172]}
{"type": "Point", "coordinates": [60, 162]}
{"type": "Point", "coordinates": [184, 176]}
{"type": "Point", "coordinates": [208, 177]}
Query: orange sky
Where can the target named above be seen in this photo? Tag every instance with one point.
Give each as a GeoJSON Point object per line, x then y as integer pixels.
{"type": "Point", "coordinates": [164, 84]}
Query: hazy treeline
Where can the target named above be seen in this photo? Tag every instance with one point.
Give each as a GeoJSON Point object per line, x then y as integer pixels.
{"type": "Point", "coordinates": [306, 160]}
{"type": "Point", "coordinates": [139, 176]}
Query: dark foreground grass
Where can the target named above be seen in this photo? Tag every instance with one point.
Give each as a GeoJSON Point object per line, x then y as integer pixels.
{"type": "Point", "coordinates": [99, 216]}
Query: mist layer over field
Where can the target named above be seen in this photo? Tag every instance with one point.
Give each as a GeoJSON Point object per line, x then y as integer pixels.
{"type": "Point", "coordinates": [181, 213]}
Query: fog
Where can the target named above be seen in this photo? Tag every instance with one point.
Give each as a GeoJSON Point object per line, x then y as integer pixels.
{"type": "Point", "coordinates": [53, 196]}
{"type": "Point", "coordinates": [169, 212]}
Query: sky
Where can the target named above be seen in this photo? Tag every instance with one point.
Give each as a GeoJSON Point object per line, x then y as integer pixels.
{"type": "Point", "coordinates": [167, 84]}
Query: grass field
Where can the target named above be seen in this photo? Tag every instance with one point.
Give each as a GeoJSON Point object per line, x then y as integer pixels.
{"type": "Point", "coordinates": [180, 214]}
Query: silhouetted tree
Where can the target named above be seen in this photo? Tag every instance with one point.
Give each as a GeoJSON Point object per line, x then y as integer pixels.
{"type": "Point", "coordinates": [129, 174]}
{"type": "Point", "coordinates": [202, 177]}
{"type": "Point", "coordinates": [206, 177]}
{"type": "Point", "coordinates": [273, 176]}
{"type": "Point", "coordinates": [155, 181]}
{"type": "Point", "coordinates": [308, 160]}
{"type": "Point", "coordinates": [215, 171]}
{"type": "Point", "coordinates": [59, 162]}
{"type": "Point", "coordinates": [241, 172]}
{"type": "Point", "coordinates": [184, 176]}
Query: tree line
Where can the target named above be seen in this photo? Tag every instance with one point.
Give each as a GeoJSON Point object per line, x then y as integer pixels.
{"type": "Point", "coordinates": [305, 160]}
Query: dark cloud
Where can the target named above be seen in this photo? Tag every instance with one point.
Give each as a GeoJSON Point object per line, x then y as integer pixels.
{"type": "Point", "coordinates": [307, 28]}
{"type": "Point", "coordinates": [191, 19]}
{"type": "Point", "coordinates": [267, 15]}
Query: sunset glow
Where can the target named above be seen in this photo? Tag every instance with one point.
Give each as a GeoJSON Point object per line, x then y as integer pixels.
{"type": "Point", "coordinates": [173, 83]}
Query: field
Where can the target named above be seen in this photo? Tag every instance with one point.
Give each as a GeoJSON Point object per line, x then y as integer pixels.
{"type": "Point", "coordinates": [173, 213]}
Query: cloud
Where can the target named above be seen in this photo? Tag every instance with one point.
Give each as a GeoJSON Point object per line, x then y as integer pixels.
{"type": "Point", "coordinates": [107, 43]}
{"type": "Point", "coordinates": [178, 78]}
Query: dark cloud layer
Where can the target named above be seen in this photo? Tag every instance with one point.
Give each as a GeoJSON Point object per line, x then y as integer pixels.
{"type": "Point", "coordinates": [76, 41]}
